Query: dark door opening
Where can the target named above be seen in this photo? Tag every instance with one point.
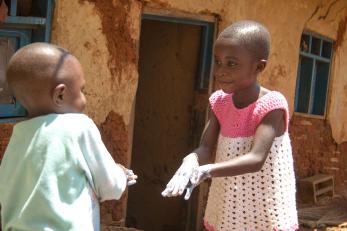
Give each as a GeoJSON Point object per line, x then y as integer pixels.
{"type": "Point", "coordinates": [169, 118]}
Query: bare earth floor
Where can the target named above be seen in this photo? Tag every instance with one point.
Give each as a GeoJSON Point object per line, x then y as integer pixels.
{"type": "Point", "coordinates": [327, 215]}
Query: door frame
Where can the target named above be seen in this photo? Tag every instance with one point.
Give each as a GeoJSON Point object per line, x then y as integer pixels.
{"type": "Point", "coordinates": [204, 81]}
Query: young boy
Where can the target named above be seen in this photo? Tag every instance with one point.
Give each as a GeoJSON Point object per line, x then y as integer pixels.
{"type": "Point", "coordinates": [56, 169]}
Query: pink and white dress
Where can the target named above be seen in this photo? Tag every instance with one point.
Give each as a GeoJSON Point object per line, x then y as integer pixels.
{"type": "Point", "coordinates": [260, 201]}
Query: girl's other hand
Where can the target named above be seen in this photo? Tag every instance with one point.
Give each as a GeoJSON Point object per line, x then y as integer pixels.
{"type": "Point", "coordinates": [180, 180]}
{"type": "Point", "coordinates": [199, 174]}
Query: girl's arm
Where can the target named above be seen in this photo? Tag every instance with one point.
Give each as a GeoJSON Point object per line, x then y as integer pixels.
{"type": "Point", "coordinates": [180, 180]}
{"type": "Point", "coordinates": [272, 125]}
{"type": "Point", "coordinates": [208, 140]}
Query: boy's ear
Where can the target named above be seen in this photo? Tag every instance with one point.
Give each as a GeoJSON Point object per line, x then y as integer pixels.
{"type": "Point", "coordinates": [59, 94]}
{"type": "Point", "coordinates": [261, 65]}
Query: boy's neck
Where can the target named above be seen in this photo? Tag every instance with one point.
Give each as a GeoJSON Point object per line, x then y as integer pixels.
{"type": "Point", "coordinates": [37, 113]}
{"type": "Point", "coordinates": [246, 96]}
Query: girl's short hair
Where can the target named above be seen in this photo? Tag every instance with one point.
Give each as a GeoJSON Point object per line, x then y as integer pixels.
{"type": "Point", "coordinates": [252, 34]}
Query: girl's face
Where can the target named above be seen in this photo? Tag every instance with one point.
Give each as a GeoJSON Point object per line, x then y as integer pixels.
{"type": "Point", "coordinates": [234, 66]}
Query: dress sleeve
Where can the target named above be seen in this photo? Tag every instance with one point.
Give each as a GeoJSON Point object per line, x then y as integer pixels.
{"type": "Point", "coordinates": [270, 102]}
{"type": "Point", "coordinates": [218, 101]}
{"type": "Point", "coordinates": [109, 179]}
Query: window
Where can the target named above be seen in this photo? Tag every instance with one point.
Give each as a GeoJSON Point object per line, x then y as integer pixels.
{"type": "Point", "coordinates": [313, 74]}
{"type": "Point", "coordinates": [24, 25]}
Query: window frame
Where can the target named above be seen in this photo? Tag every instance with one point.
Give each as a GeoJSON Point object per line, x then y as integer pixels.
{"type": "Point", "coordinates": [26, 29]}
{"type": "Point", "coordinates": [14, 109]}
{"type": "Point", "coordinates": [315, 58]}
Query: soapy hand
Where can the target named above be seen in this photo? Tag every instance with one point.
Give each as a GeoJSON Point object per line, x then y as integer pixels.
{"type": "Point", "coordinates": [199, 174]}
{"type": "Point", "coordinates": [131, 177]}
{"type": "Point", "coordinates": [180, 180]}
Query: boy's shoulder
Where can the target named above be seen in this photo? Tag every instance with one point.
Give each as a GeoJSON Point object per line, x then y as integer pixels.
{"type": "Point", "coordinates": [75, 120]}
{"type": "Point", "coordinates": [82, 118]}
{"type": "Point", "coordinates": [57, 123]}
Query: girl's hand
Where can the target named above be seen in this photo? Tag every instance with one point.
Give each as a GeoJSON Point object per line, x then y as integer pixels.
{"type": "Point", "coordinates": [200, 174]}
{"type": "Point", "coordinates": [180, 180]}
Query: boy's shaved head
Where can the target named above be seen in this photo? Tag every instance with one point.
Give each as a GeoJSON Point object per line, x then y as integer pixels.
{"type": "Point", "coordinates": [254, 36]}
{"type": "Point", "coordinates": [34, 70]}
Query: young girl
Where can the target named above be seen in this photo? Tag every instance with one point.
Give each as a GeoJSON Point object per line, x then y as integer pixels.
{"type": "Point", "coordinates": [253, 182]}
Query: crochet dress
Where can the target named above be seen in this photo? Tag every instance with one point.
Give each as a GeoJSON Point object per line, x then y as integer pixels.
{"type": "Point", "coordinates": [260, 201]}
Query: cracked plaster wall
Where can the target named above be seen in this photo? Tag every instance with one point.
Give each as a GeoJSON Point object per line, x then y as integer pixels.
{"type": "Point", "coordinates": [104, 35]}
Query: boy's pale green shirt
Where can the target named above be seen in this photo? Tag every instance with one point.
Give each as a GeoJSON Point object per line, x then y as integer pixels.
{"type": "Point", "coordinates": [54, 172]}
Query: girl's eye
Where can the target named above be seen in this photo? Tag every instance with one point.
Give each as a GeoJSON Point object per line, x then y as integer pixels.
{"type": "Point", "coordinates": [83, 90]}
{"type": "Point", "coordinates": [231, 64]}
{"type": "Point", "coordinates": [217, 62]}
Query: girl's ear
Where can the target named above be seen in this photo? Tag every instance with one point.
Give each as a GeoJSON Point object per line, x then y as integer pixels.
{"type": "Point", "coordinates": [59, 94]}
{"type": "Point", "coordinates": [261, 66]}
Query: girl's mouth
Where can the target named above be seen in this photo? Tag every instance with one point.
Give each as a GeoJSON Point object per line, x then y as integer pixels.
{"type": "Point", "coordinates": [225, 82]}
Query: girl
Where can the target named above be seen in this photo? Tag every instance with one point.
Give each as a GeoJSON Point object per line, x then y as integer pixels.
{"type": "Point", "coordinates": [253, 182]}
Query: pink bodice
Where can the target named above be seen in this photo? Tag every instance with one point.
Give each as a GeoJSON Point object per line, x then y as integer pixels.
{"type": "Point", "coordinates": [243, 122]}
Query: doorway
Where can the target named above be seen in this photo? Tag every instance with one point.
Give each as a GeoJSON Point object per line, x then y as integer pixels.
{"type": "Point", "coordinates": [171, 102]}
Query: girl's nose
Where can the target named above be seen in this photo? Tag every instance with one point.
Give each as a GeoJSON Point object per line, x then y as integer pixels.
{"type": "Point", "coordinates": [219, 73]}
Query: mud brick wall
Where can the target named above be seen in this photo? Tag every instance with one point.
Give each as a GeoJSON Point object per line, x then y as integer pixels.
{"type": "Point", "coordinates": [315, 151]}
{"type": "Point", "coordinates": [5, 134]}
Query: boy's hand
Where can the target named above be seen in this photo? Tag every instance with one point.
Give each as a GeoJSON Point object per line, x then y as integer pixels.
{"type": "Point", "coordinates": [180, 180]}
{"type": "Point", "coordinates": [131, 177]}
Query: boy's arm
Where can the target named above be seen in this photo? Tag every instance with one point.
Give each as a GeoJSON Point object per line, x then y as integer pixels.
{"type": "Point", "coordinates": [272, 125]}
{"type": "Point", "coordinates": [108, 178]}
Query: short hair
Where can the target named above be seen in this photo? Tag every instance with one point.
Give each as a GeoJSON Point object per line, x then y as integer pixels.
{"type": "Point", "coordinates": [253, 35]}
{"type": "Point", "coordinates": [34, 65]}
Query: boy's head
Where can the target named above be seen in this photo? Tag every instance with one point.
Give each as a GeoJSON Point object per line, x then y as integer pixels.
{"type": "Point", "coordinates": [241, 52]}
{"type": "Point", "coordinates": [45, 79]}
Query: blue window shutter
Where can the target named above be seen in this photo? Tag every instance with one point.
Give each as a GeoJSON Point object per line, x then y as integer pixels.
{"type": "Point", "coordinates": [313, 74]}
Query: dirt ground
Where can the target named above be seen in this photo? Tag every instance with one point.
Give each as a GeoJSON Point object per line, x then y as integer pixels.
{"type": "Point", "coordinates": [327, 215]}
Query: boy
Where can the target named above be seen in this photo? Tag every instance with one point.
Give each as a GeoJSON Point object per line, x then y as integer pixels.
{"type": "Point", "coordinates": [56, 168]}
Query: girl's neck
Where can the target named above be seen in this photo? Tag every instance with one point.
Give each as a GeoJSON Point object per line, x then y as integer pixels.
{"type": "Point", "coordinates": [246, 96]}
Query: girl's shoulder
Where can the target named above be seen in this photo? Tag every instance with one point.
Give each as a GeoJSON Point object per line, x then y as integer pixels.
{"type": "Point", "coordinates": [218, 95]}
{"type": "Point", "coordinates": [270, 101]}
{"type": "Point", "coordinates": [218, 100]}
